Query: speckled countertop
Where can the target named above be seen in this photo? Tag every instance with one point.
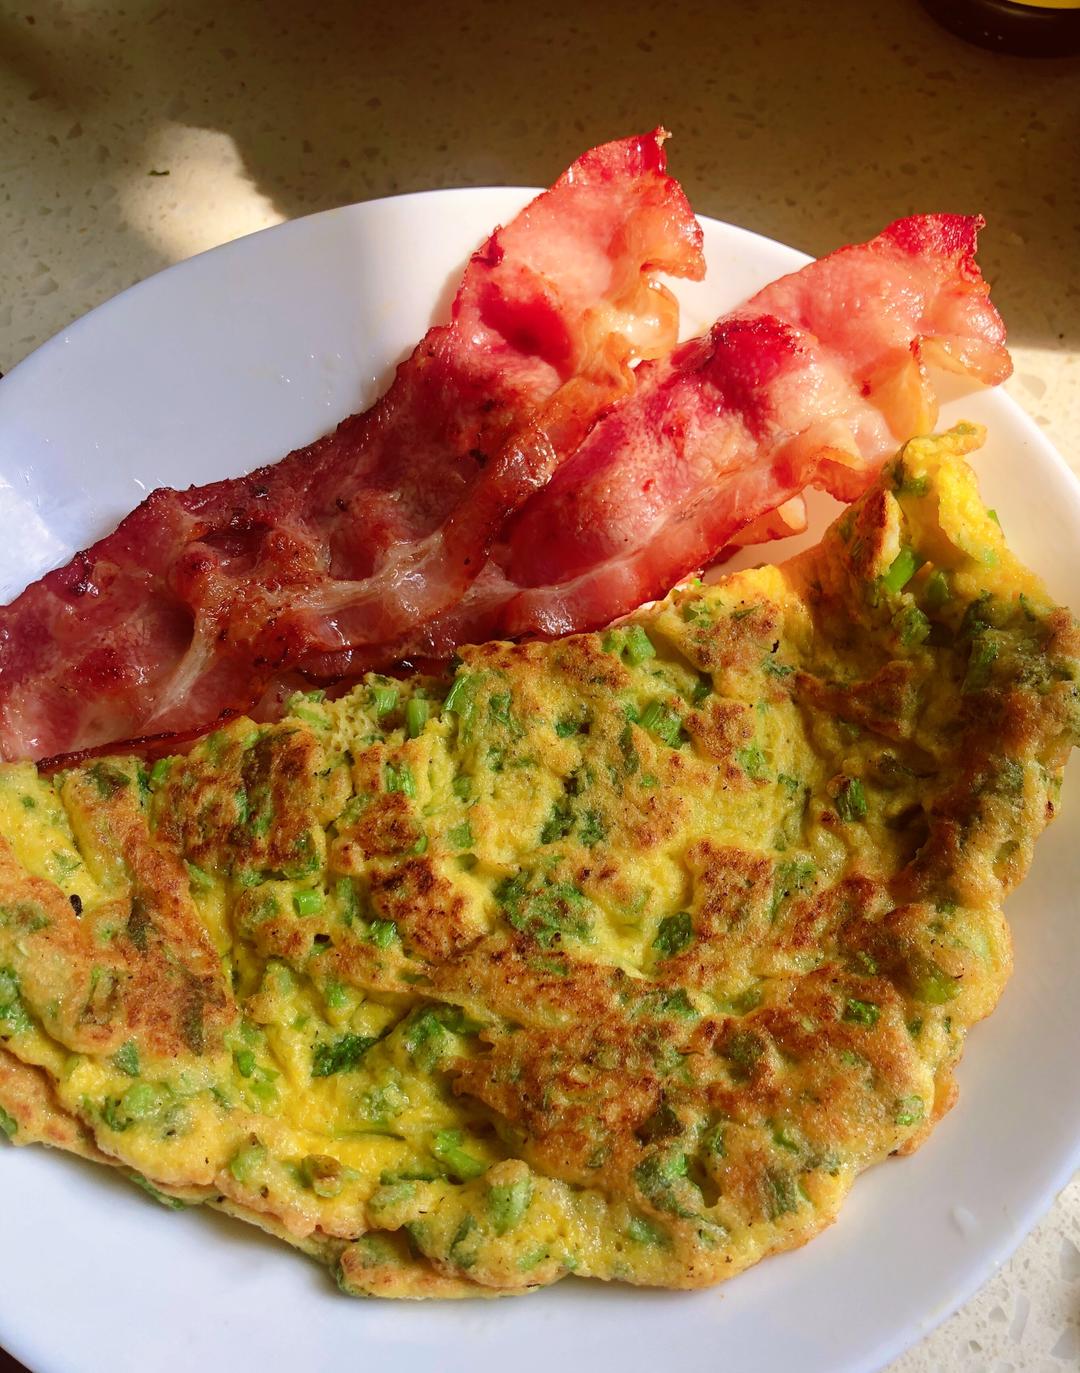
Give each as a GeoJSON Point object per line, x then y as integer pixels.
{"type": "Point", "coordinates": [133, 135]}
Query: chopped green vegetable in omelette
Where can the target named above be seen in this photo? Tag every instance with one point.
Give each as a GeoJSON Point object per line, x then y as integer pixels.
{"type": "Point", "coordinates": [620, 955]}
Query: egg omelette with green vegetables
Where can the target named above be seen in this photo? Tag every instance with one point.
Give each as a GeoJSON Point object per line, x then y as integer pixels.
{"type": "Point", "coordinates": [620, 955]}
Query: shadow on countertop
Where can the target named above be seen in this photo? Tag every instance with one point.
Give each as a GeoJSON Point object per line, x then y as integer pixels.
{"type": "Point", "coordinates": [815, 133]}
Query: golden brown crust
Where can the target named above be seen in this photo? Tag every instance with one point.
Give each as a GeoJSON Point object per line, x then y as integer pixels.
{"type": "Point", "coordinates": [158, 975]}
{"type": "Point", "coordinates": [29, 1099]}
{"type": "Point", "coordinates": [434, 919]}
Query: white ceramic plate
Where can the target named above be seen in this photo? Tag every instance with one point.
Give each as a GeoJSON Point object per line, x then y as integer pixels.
{"type": "Point", "coordinates": [228, 361]}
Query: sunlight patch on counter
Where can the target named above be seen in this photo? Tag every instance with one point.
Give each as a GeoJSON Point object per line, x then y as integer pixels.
{"type": "Point", "coordinates": [193, 193]}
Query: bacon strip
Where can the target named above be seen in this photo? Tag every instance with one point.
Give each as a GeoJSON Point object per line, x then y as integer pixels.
{"type": "Point", "coordinates": [200, 597]}
{"type": "Point", "coordinates": [816, 380]}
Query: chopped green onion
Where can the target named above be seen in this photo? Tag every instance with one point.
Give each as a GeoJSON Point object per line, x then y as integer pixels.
{"type": "Point", "coordinates": [861, 1012]}
{"type": "Point", "coordinates": [786, 1138]}
{"type": "Point", "coordinates": [416, 716]}
{"type": "Point", "coordinates": [382, 933]}
{"type": "Point", "coordinates": [742, 1003]}
{"type": "Point", "coordinates": [200, 880]}
{"type": "Point", "coordinates": [790, 877]}
{"type": "Point", "coordinates": [913, 627]}
{"type": "Point", "coordinates": [507, 1202]}
{"type": "Point", "coordinates": [142, 1100]}
{"type": "Point", "coordinates": [173, 1203]}
{"type": "Point", "coordinates": [559, 823]}
{"type": "Point", "coordinates": [399, 778]}
{"type": "Point", "coordinates": [902, 569]}
{"type": "Point", "coordinates": [160, 771]}
{"type": "Point", "coordinates": [460, 1163]}
{"type": "Point", "coordinates": [425, 1039]}
{"type": "Point", "coordinates": [675, 1003]}
{"type": "Point", "coordinates": [458, 693]}
{"type": "Point", "coordinates": [322, 1173]}
{"type": "Point", "coordinates": [384, 698]}
{"type": "Point", "coordinates": [664, 1123]}
{"type": "Point", "coordinates": [782, 1194]}
{"type": "Point", "coordinates": [936, 591]}
{"type": "Point", "coordinates": [340, 1056]}
{"type": "Point", "coordinates": [930, 983]}
{"type": "Point", "coordinates": [752, 761]}
{"type": "Point", "coordinates": [744, 1050]}
{"type": "Point", "coordinates": [260, 824]}
{"type": "Point", "coordinates": [591, 828]}
{"type": "Point", "coordinates": [499, 707]}
{"type": "Point", "coordinates": [126, 1059]}
{"type": "Point", "coordinates": [663, 722]}
{"type": "Point", "coordinates": [461, 836]}
{"type": "Point", "coordinates": [244, 1060]}
{"type": "Point", "coordinates": [981, 660]}
{"type": "Point", "coordinates": [910, 1110]}
{"type": "Point", "coordinates": [673, 934]}
{"type": "Point", "coordinates": [308, 902]}
{"type": "Point", "coordinates": [712, 1142]}
{"type": "Point", "coordinates": [246, 1160]}
{"type": "Point", "coordinates": [978, 617]}
{"type": "Point", "coordinates": [638, 646]}
{"type": "Point", "coordinates": [851, 800]}
{"type": "Point", "coordinates": [643, 1231]}
{"type": "Point", "coordinates": [335, 995]}
{"type": "Point", "coordinates": [348, 899]}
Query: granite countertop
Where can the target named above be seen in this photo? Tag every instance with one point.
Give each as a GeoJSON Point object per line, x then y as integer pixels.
{"type": "Point", "coordinates": [133, 135]}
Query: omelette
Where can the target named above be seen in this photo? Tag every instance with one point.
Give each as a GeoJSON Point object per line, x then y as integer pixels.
{"type": "Point", "coordinates": [620, 955]}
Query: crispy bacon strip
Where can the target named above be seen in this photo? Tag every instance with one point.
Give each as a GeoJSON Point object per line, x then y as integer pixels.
{"type": "Point", "coordinates": [200, 597]}
{"type": "Point", "coordinates": [815, 380]}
